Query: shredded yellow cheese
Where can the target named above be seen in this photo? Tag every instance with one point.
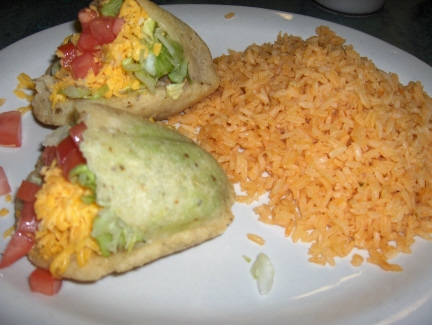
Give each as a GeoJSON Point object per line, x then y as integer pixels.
{"type": "Point", "coordinates": [4, 212]}
{"type": "Point", "coordinates": [67, 81]}
{"type": "Point", "coordinates": [133, 13]}
{"type": "Point", "coordinates": [8, 198]}
{"type": "Point", "coordinates": [157, 47]}
{"type": "Point", "coordinates": [22, 95]}
{"type": "Point", "coordinates": [2, 101]}
{"type": "Point", "coordinates": [25, 81]}
{"type": "Point", "coordinates": [9, 232]}
{"type": "Point", "coordinates": [24, 109]}
{"type": "Point", "coordinates": [65, 222]}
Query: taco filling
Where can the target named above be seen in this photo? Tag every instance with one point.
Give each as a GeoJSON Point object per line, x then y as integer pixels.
{"type": "Point", "coordinates": [131, 55]}
{"type": "Point", "coordinates": [120, 49]}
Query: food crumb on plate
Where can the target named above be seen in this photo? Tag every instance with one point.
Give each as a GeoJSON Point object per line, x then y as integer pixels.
{"type": "Point", "coordinates": [229, 15]}
{"type": "Point", "coordinates": [25, 83]}
{"type": "Point", "coordinates": [357, 260]}
{"type": "Point", "coordinates": [263, 271]}
{"type": "Point", "coordinates": [22, 95]}
{"type": "Point", "coordinates": [256, 239]}
{"type": "Point", "coordinates": [247, 258]}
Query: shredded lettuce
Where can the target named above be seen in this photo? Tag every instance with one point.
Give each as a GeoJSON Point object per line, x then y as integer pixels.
{"type": "Point", "coordinates": [55, 67]}
{"type": "Point", "coordinates": [82, 175]}
{"type": "Point", "coordinates": [111, 8]}
{"type": "Point", "coordinates": [164, 40]}
{"type": "Point", "coordinates": [169, 61]}
{"type": "Point", "coordinates": [148, 28]}
{"type": "Point", "coordinates": [81, 92]}
{"type": "Point", "coordinates": [179, 74]}
{"type": "Point", "coordinates": [146, 79]}
{"type": "Point", "coordinates": [175, 90]}
{"type": "Point", "coordinates": [150, 64]}
{"type": "Point", "coordinates": [99, 93]}
{"type": "Point", "coordinates": [172, 58]}
{"type": "Point", "coordinates": [113, 234]}
{"type": "Point", "coordinates": [163, 63]}
{"type": "Point", "coordinates": [75, 92]}
{"type": "Point", "coordinates": [129, 65]}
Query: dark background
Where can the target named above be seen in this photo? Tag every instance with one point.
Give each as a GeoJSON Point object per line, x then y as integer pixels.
{"type": "Point", "coordinates": [406, 24]}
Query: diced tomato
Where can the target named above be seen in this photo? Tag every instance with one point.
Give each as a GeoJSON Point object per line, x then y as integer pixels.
{"type": "Point", "coordinates": [69, 155]}
{"type": "Point", "coordinates": [10, 129]}
{"type": "Point", "coordinates": [48, 155]}
{"type": "Point", "coordinates": [63, 148]}
{"type": "Point", "coordinates": [73, 159]}
{"type": "Point", "coordinates": [87, 42]}
{"type": "Point", "coordinates": [69, 51]}
{"type": "Point", "coordinates": [85, 16]}
{"type": "Point", "coordinates": [23, 239]}
{"type": "Point", "coordinates": [27, 223]}
{"type": "Point", "coordinates": [27, 191]}
{"type": "Point", "coordinates": [82, 64]}
{"type": "Point", "coordinates": [19, 246]}
{"type": "Point", "coordinates": [101, 29]}
{"type": "Point", "coordinates": [44, 282]}
{"type": "Point", "coordinates": [117, 25]}
{"type": "Point", "coordinates": [4, 183]}
{"type": "Point", "coordinates": [76, 132]}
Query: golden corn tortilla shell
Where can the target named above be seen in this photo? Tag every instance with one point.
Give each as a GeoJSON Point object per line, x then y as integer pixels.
{"type": "Point", "coordinates": [154, 179]}
{"type": "Point", "coordinates": [100, 266]}
{"type": "Point", "coordinates": [159, 105]}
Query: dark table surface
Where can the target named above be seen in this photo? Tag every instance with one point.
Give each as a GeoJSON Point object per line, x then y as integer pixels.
{"type": "Point", "coordinates": [407, 24]}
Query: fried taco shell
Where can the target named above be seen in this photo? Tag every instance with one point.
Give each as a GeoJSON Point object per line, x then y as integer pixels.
{"type": "Point", "coordinates": [158, 183]}
{"type": "Point", "coordinates": [202, 81]}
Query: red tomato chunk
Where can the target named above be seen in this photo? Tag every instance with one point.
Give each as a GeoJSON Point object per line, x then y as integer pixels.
{"type": "Point", "coordinates": [87, 42]}
{"type": "Point", "coordinates": [96, 31]}
{"type": "Point", "coordinates": [4, 183]}
{"type": "Point", "coordinates": [10, 129]}
{"type": "Point", "coordinates": [117, 25]}
{"type": "Point", "coordinates": [18, 247]}
{"type": "Point", "coordinates": [76, 133]}
{"type": "Point", "coordinates": [85, 16]}
{"type": "Point", "coordinates": [27, 223]}
{"type": "Point", "coordinates": [27, 191]}
{"type": "Point", "coordinates": [102, 29]}
{"type": "Point", "coordinates": [73, 159]}
{"type": "Point", "coordinates": [64, 148]}
{"type": "Point", "coordinates": [68, 154]}
{"type": "Point", "coordinates": [44, 282]}
{"type": "Point", "coordinates": [82, 64]}
{"type": "Point", "coordinates": [69, 53]}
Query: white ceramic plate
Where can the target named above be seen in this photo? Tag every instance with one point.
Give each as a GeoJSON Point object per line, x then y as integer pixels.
{"type": "Point", "coordinates": [211, 283]}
